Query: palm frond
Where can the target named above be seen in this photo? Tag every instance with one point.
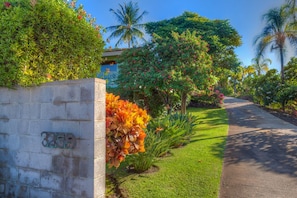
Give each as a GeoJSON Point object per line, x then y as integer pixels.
{"type": "Point", "coordinates": [129, 27]}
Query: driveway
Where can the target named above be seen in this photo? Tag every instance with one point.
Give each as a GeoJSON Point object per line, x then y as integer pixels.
{"type": "Point", "coordinates": [261, 154]}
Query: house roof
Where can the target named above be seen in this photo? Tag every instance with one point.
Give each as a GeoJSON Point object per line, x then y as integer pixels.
{"type": "Point", "coordinates": [110, 55]}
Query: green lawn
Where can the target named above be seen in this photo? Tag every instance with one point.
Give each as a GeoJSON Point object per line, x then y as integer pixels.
{"type": "Point", "coordinates": [191, 171]}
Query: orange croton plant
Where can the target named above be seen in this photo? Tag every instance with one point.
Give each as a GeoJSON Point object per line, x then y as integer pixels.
{"type": "Point", "coordinates": [125, 124]}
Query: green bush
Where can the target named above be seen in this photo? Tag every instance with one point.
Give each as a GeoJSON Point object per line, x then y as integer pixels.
{"type": "Point", "coordinates": [46, 40]}
{"type": "Point", "coordinates": [163, 134]}
{"type": "Point", "coordinates": [287, 94]}
{"type": "Point", "coordinates": [211, 99]}
{"type": "Point", "coordinates": [141, 162]}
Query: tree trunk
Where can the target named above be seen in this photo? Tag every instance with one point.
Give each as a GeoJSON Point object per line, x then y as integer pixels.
{"type": "Point", "coordinates": [183, 103]}
{"type": "Point", "coordinates": [282, 73]}
{"type": "Point", "coordinates": [282, 64]}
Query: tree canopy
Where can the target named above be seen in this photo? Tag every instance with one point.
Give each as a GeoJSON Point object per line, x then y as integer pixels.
{"type": "Point", "coordinates": [211, 31]}
{"type": "Point", "coordinates": [221, 37]}
{"type": "Point", "coordinates": [168, 66]}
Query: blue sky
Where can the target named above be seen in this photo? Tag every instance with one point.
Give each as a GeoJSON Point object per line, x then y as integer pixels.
{"type": "Point", "coordinates": [244, 15]}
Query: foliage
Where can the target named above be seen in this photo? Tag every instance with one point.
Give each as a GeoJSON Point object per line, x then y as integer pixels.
{"type": "Point", "coordinates": [175, 128]}
{"type": "Point", "coordinates": [198, 165]}
{"type": "Point", "coordinates": [211, 31]}
{"type": "Point", "coordinates": [291, 6]}
{"type": "Point", "coordinates": [168, 67]}
{"type": "Point", "coordinates": [125, 124]}
{"type": "Point", "coordinates": [44, 41]}
{"type": "Point", "coordinates": [129, 28]}
{"type": "Point", "coordinates": [269, 90]}
{"type": "Point", "coordinates": [278, 31]}
{"type": "Point", "coordinates": [290, 71]}
{"type": "Point", "coordinates": [267, 87]}
{"type": "Point", "coordinates": [287, 93]}
{"type": "Point", "coordinates": [211, 99]}
{"type": "Point", "coordinates": [141, 162]}
{"type": "Point", "coordinates": [261, 65]}
{"type": "Point", "coordinates": [163, 134]}
{"type": "Point", "coordinates": [221, 37]}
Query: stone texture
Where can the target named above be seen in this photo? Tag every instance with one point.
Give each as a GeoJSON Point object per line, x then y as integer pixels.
{"type": "Point", "coordinates": [39, 193]}
{"type": "Point", "coordinates": [29, 177]}
{"type": "Point", "coordinates": [51, 181]}
{"type": "Point", "coordinates": [27, 168]}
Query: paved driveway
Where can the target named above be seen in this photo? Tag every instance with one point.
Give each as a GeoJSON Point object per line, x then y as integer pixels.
{"type": "Point", "coordinates": [260, 156]}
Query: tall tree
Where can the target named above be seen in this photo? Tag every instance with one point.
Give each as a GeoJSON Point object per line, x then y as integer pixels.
{"type": "Point", "coordinates": [221, 37]}
{"type": "Point", "coordinates": [276, 33]}
{"type": "Point", "coordinates": [261, 65]}
{"type": "Point", "coordinates": [166, 67]}
{"type": "Point", "coordinates": [129, 28]}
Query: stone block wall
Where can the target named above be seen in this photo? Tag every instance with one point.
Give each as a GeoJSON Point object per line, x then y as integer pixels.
{"type": "Point", "coordinates": [27, 168]}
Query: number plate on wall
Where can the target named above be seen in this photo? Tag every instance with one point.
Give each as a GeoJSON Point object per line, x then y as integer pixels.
{"type": "Point", "coordinates": [58, 140]}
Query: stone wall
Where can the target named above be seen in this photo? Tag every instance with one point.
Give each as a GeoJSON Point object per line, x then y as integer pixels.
{"type": "Point", "coordinates": [29, 169]}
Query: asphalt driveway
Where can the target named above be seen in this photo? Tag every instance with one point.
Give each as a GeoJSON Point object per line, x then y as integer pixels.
{"type": "Point", "coordinates": [261, 154]}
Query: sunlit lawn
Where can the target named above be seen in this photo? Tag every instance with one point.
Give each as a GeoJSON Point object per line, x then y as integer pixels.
{"type": "Point", "coordinates": [191, 171]}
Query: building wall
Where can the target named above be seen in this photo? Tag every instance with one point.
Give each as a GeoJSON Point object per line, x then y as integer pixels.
{"type": "Point", "coordinates": [75, 109]}
{"type": "Point", "coordinates": [109, 72]}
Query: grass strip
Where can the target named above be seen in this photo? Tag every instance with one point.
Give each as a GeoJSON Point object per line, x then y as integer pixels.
{"type": "Point", "coordinates": [191, 171]}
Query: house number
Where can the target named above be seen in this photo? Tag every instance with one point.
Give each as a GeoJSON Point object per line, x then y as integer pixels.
{"type": "Point", "coordinates": [58, 140]}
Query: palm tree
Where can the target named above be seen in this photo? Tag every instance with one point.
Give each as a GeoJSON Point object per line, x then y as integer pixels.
{"type": "Point", "coordinates": [261, 65]}
{"type": "Point", "coordinates": [249, 71]}
{"type": "Point", "coordinates": [292, 8]}
{"type": "Point", "coordinates": [128, 29]}
{"type": "Point", "coordinates": [276, 33]}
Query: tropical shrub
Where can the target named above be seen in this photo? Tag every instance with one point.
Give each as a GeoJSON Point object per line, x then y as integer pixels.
{"type": "Point", "coordinates": [141, 162]}
{"type": "Point", "coordinates": [288, 95]}
{"type": "Point", "coordinates": [267, 87]}
{"type": "Point", "coordinates": [163, 134]}
{"type": "Point", "coordinates": [45, 41]}
{"type": "Point", "coordinates": [125, 124]}
{"type": "Point", "coordinates": [211, 99]}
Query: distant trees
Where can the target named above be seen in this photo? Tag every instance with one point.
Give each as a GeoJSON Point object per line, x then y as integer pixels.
{"type": "Point", "coordinates": [129, 28]}
{"type": "Point", "coordinates": [261, 65]}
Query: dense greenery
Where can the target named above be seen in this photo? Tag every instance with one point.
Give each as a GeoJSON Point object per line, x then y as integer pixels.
{"type": "Point", "coordinates": [270, 90]}
{"type": "Point", "coordinates": [168, 67]}
{"type": "Point", "coordinates": [44, 41]}
{"type": "Point", "coordinates": [163, 134]}
{"type": "Point", "coordinates": [221, 37]}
